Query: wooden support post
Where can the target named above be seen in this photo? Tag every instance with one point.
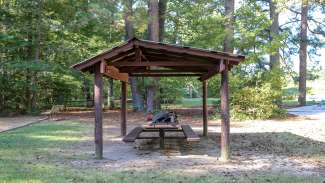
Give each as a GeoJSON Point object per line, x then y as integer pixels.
{"type": "Point", "coordinates": [225, 122]}
{"type": "Point", "coordinates": [98, 95]}
{"type": "Point", "coordinates": [162, 138]}
{"type": "Point", "coordinates": [205, 108]}
{"type": "Point", "coordinates": [123, 108]}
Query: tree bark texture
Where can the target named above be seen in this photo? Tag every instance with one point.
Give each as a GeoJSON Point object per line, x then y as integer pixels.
{"type": "Point", "coordinates": [303, 53]}
{"type": "Point", "coordinates": [274, 31]}
{"type": "Point", "coordinates": [86, 91]}
{"type": "Point", "coordinates": [111, 94]}
{"type": "Point", "coordinates": [224, 90]}
{"type": "Point", "coordinates": [137, 100]}
{"type": "Point", "coordinates": [162, 17]}
{"type": "Point", "coordinates": [153, 30]}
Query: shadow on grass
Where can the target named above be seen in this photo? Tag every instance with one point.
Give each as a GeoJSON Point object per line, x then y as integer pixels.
{"type": "Point", "coordinates": [49, 141]}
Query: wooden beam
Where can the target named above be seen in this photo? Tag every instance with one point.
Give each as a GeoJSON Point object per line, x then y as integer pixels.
{"type": "Point", "coordinates": [169, 70]}
{"type": "Point", "coordinates": [114, 73]}
{"type": "Point", "coordinates": [131, 69]}
{"type": "Point", "coordinates": [190, 51]}
{"type": "Point", "coordinates": [98, 94]}
{"type": "Point", "coordinates": [164, 51]}
{"type": "Point", "coordinates": [213, 71]}
{"type": "Point", "coordinates": [145, 71]}
{"type": "Point", "coordinates": [129, 56]}
{"type": "Point", "coordinates": [164, 75]}
{"type": "Point", "coordinates": [205, 108]}
{"type": "Point", "coordinates": [137, 53]}
{"type": "Point", "coordinates": [123, 107]}
{"type": "Point", "coordinates": [203, 69]}
{"type": "Point", "coordinates": [110, 54]}
{"type": "Point", "coordinates": [162, 54]}
{"type": "Point", "coordinates": [225, 117]}
{"type": "Point", "coordinates": [162, 64]}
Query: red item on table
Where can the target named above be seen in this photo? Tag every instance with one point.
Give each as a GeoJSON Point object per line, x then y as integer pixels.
{"type": "Point", "coordinates": [149, 116]}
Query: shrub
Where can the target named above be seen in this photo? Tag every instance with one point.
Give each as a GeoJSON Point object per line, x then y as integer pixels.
{"type": "Point", "coordinates": [254, 102]}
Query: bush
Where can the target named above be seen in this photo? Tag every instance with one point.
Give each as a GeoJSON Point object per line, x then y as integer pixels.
{"type": "Point", "coordinates": [254, 102]}
{"type": "Point", "coordinates": [171, 90]}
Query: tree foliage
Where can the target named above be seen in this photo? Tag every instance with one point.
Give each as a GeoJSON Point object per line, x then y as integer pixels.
{"type": "Point", "coordinates": [40, 40]}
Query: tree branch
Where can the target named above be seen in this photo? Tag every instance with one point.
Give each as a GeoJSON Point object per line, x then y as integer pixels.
{"type": "Point", "coordinates": [315, 32]}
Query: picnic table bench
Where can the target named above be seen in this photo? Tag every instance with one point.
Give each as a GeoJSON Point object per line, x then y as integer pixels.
{"type": "Point", "coordinates": [188, 132]}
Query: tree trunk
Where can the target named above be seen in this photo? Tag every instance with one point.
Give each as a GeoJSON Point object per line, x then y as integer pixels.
{"type": "Point", "coordinates": [224, 90]}
{"type": "Point", "coordinates": [274, 31]}
{"type": "Point", "coordinates": [137, 100]}
{"type": "Point", "coordinates": [153, 24]}
{"type": "Point", "coordinates": [110, 94]}
{"type": "Point", "coordinates": [29, 57]}
{"type": "Point", "coordinates": [229, 13]}
{"type": "Point", "coordinates": [128, 13]}
{"type": "Point", "coordinates": [162, 17]}
{"type": "Point", "coordinates": [86, 91]}
{"type": "Point", "coordinates": [37, 52]}
{"type": "Point", "coordinates": [303, 53]}
{"type": "Point", "coordinates": [275, 55]}
{"type": "Point", "coordinates": [153, 30]}
{"type": "Point", "coordinates": [162, 6]}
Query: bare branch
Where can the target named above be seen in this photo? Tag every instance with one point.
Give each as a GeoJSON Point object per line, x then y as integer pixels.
{"type": "Point", "coordinates": [315, 32]}
{"type": "Point", "coordinates": [292, 21]}
{"type": "Point", "coordinates": [294, 11]}
{"type": "Point", "coordinates": [317, 22]}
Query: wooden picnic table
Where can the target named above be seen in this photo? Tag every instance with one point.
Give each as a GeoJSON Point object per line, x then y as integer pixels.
{"type": "Point", "coordinates": [189, 134]}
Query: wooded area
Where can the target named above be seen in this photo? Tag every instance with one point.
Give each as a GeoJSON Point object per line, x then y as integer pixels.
{"type": "Point", "coordinates": [40, 40]}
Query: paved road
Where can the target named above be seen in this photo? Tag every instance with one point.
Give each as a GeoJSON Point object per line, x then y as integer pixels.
{"type": "Point", "coordinates": [316, 111]}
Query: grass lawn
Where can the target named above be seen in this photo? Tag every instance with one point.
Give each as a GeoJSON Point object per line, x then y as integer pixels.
{"type": "Point", "coordinates": [195, 102]}
{"type": "Point", "coordinates": [295, 103]}
{"type": "Point", "coordinates": [43, 153]}
{"type": "Point", "coordinates": [191, 102]}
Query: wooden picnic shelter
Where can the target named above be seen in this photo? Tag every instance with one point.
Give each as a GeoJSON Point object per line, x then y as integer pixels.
{"type": "Point", "coordinates": [143, 58]}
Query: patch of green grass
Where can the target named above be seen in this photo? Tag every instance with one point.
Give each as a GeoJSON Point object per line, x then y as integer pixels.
{"type": "Point", "coordinates": [35, 153]}
{"type": "Point", "coordinates": [43, 153]}
{"type": "Point", "coordinates": [193, 102]}
{"type": "Point", "coordinates": [291, 103]}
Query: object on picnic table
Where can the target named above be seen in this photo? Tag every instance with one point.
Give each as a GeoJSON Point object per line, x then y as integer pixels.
{"type": "Point", "coordinates": [149, 116]}
{"type": "Point", "coordinates": [165, 118]}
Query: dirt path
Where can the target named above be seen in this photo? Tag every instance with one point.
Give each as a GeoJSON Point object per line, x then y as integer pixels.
{"type": "Point", "coordinates": [9, 123]}
{"type": "Point", "coordinates": [313, 111]}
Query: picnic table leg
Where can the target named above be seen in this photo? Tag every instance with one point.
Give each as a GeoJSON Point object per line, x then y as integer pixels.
{"type": "Point", "coordinates": [162, 138]}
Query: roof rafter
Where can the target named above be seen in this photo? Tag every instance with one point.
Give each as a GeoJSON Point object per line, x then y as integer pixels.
{"type": "Point", "coordinates": [153, 59]}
